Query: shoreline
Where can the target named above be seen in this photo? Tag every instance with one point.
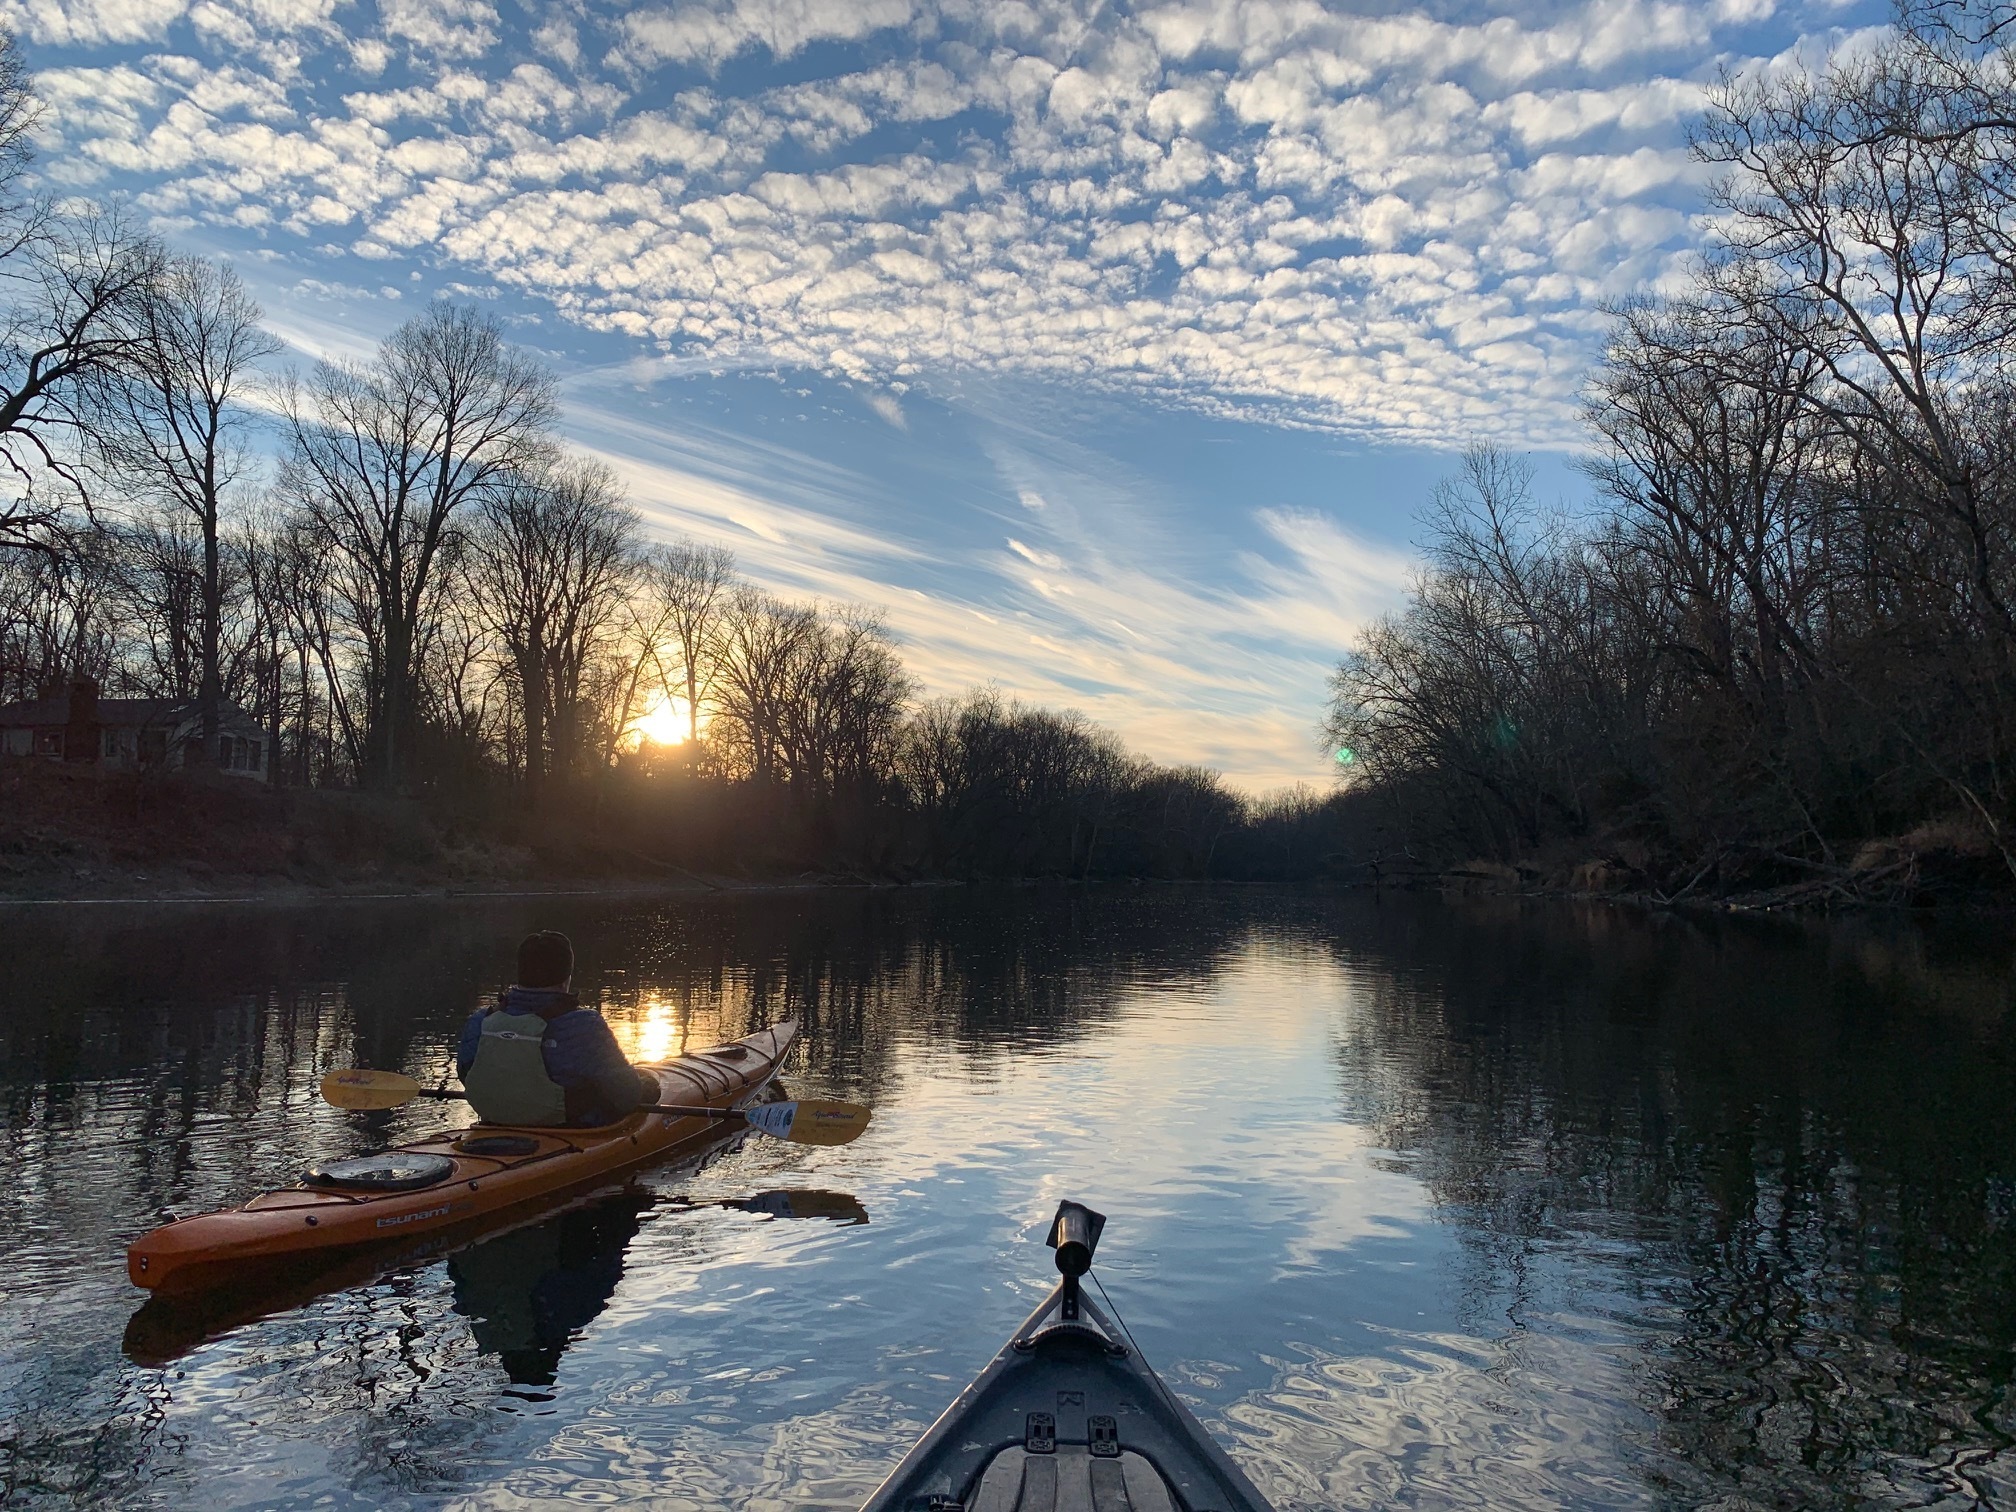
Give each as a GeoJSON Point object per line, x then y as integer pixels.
{"type": "Point", "coordinates": [292, 893]}
{"type": "Point", "coordinates": [1784, 903]}
{"type": "Point", "coordinates": [1752, 903]}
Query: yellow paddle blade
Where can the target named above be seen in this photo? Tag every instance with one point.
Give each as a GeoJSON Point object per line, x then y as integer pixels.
{"type": "Point", "coordinates": [365, 1090]}
{"type": "Point", "coordinates": [809, 1121]}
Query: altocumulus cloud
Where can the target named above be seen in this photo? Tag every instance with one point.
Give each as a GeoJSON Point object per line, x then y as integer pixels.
{"type": "Point", "coordinates": [1390, 225]}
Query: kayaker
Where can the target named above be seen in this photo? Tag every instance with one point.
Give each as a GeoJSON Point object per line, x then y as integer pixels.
{"type": "Point", "coordinates": [539, 1058]}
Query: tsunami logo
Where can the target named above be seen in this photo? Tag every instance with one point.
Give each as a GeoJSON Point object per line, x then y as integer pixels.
{"type": "Point", "coordinates": [397, 1219]}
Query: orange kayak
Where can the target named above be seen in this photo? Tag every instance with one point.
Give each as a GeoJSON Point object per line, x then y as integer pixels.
{"type": "Point", "coordinates": [476, 1171]}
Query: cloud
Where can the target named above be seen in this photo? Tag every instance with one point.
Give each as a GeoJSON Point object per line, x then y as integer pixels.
{"type": "Point", "coordinates": [88, 23]}
{"type": "Point", "coordinates": [1044, 559]}
{"type": "Point", "coordinates": [1273, 208]}
{"type": "Point", "coordinates": [890, 409]}
{"type": "Point", "coordinates": [712, 34]}
{"type": "Point", "coordinates": [441, 28]}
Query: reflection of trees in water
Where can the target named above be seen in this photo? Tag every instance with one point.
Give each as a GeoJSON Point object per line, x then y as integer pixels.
{"type": "Point", "coordinates": [1793, 1143]}
{"type": "Point", "coordinates": [192, 1039]}
{"type": "Point", "coordinates": [166, 1059]}
{"type": "Point", "coordinates": [984, 972]}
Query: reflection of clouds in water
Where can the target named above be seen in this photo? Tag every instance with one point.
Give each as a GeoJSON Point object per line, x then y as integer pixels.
{"type": "Point", "coordinates": [1533, 1420]}
{"type": "Point", "coordinates": [832, 1458]}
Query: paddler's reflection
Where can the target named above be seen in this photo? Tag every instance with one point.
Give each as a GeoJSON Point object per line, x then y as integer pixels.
{"type": "Point", "coordinates": [529, 1292]}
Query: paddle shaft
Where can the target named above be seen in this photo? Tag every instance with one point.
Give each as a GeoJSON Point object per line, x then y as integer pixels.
{"type": "Point", "coordinates": [694, 1112]}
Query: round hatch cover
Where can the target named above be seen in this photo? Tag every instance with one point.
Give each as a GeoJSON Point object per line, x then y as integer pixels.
{"type": "Point", "coordinates": [398, 1171]}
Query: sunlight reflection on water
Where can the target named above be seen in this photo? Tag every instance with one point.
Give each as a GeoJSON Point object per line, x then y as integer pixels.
{"type": "Point", "coordinates": [1417, 1204]}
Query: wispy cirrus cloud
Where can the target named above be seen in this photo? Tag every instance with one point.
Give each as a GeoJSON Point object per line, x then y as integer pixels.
{"type": "Point", "coordinates": [1077, 610]}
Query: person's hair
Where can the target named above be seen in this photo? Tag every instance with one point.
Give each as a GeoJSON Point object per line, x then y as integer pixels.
{"type": "Point", "coordinates": [545, 959]}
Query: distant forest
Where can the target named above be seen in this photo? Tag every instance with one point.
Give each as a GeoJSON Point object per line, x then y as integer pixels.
{"type": "Point", "coordinates": [1780, 652]}
{"type": "Point", "coordinates": [416, 590]}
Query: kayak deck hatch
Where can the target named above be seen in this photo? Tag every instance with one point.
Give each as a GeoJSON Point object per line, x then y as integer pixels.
{"type": "Point", "coordinates": [1067, 1416]}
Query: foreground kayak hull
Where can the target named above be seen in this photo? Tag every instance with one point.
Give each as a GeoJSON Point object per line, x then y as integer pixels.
{"type": "Point", "coordinates": [1068, 1415]}
{"type": "Point", "coordinates": [300, 1221]}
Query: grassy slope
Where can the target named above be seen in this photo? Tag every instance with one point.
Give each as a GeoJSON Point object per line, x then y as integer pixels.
{"type": "Point", "coordinates": [67, 832]}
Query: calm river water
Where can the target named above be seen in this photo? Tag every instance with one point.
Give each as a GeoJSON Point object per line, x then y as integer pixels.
{"type": "Point", "coordinates": [1418, 1203]}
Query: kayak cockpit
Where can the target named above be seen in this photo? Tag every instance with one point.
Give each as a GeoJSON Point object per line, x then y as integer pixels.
{"type": "Point", "coordinates": [1068, 1415]}
{"type": "Point", "coordinates": [1019, 1481]}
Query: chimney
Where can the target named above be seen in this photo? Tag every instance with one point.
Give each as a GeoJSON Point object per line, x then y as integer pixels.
{"type": "Point", "coordinates": [80, 740]}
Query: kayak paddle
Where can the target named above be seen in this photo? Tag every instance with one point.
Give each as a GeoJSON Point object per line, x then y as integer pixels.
{"type": "Point", "coordinates": [808, 1121]}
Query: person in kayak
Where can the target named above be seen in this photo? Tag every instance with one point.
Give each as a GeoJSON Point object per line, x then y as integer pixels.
{"type": "Point", "coordinates": [539, 1058]}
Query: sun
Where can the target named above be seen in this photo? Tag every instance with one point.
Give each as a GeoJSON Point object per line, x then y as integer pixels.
{"type": "Point", "coordinates": [664, 723]}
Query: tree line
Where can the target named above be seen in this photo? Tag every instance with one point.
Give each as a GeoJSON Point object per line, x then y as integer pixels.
{"type": "Point", "coordinates": [397, 568]}
{"type": "Point", "coordinates": [1782, 643]}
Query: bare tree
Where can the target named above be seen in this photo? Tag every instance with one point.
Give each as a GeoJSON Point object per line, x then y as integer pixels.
{"type": "Point", "coordinates": [1852, 226]}
{"type": "Point", "coordinates": [688, 588]}
{"type": "Point", "coordinates": [383, 458]}
{"type": "Point", "coordinates": [60, 612]}
{"type": "Point", "coordinates": [1716, 453]}
{"type": "Point", "coordinates": [763, 649]}
{"type": "Point", "coordinates": [808, 700]}
{"type": "Point", "coordinates": [68, 284]}
{"type": "Point", "coordinates": [170, 426]}
{"type": "Point", "coordinates": [158, 567]}
{"type": "Point", "coordinates": [77, 284]}
{"type": "Point", "coordinates": [550, 568]}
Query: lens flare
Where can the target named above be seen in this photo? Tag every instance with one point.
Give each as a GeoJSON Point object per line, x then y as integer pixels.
{"type": "Point", "coordinates": [1345, 755]}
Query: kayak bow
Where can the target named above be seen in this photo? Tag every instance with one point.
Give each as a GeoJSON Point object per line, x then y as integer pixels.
{"type": "Point", "coordinates": [456, 1176]}
{"type": "Point", "coordinates": [1067, 1416]}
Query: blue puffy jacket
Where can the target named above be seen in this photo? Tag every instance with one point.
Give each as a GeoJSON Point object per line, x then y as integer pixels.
{"type": "Point", "coordinates": [579, 1051]}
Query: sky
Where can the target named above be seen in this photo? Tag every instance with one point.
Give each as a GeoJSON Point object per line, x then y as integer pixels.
{"type": "Point", "coordinates": [1108, 349]}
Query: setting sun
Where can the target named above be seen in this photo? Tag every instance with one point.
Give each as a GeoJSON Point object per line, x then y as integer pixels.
{"type": "Point", "coordinates": [664, 723]}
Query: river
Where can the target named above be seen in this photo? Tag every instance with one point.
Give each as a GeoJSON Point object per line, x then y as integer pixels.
{"type": "Point", "coordinates": [1418, 1203]}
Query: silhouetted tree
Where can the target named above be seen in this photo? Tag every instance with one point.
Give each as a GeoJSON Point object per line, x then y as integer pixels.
{"type": "Point", "coordinates": [383, 458]}
{"type": "Point", "coordinates": [551, 567]}
{"type": "Point", "coordinates": [169, 424]}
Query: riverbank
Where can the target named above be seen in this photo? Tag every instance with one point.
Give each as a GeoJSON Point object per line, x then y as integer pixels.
{"type": "Point", "coordinates": [1934, 866]}
{"type": "Point", "coordinates": [70, 835]}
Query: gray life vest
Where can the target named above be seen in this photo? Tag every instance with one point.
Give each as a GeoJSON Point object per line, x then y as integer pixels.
{"type": "Point", "coordinates": [507, 1081]}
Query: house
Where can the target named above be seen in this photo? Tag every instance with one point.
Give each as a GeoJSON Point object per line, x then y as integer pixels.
{"type": "Point", "coordinates": [127, 734]}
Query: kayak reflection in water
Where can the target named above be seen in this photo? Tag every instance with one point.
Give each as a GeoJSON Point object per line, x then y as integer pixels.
{"type": "Point", "coordinates": [528, 1293]}
{"type": "Point", "coordinates": [538, 1058]}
